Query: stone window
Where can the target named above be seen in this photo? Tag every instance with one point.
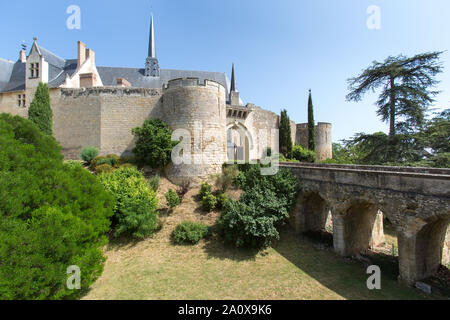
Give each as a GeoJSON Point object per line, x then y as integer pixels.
{"type": "Point", "coordinates": [21, 100]}
{"type": "Point", "coordinates": [34, 70]}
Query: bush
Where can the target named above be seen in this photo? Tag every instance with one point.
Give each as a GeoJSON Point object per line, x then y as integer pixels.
{"type": "Point", "coordinates": [226, 179]}
{"type": "Point", "coordinates": [136, 203]}
{"type": "Point", "coordinates": [127, 165]}
{"type": "Point", "coordinates": [154, 182]}
{"type": "Point", "coordinates": [209, 202]}
{"type": "Point", "coordinates": [103, 168]}
{"type": "Point", "coordinates": [222, 198]}
{"type": "Point", "coordinates": [304, 155]}
{"type": "Point", "coordinates": [52, 216]}
{"type": "Point", "coordinates": [153, 144]}
{"type": "Point", "coordinates": [189, 232]}
{"type": "Point", "coordinates": [172, 198]}
{"type": "Point", "coordinates": [205, 189]}
{"type": "Point", "coordinates": [253, 221]}
{"type": "Point", "coordinates": [73, 164]}
{"type": "Point", "coordinates": [88, 154]}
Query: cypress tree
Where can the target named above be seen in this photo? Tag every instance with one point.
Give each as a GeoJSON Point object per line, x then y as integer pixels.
{"type": "Point", "coordinates": [40, 111]}
{"type": "Point", "coordinates": [311, 125]}
{"type": "Point", "coordinates": [285, 135]}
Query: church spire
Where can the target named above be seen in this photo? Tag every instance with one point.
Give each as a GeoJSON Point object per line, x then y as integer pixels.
{"type": "Point", "coordinates": [152, 64]}
{"type": "Point", "coordinates": [151, 42]}
{"type": "Point", "coordinates": [233, 80]}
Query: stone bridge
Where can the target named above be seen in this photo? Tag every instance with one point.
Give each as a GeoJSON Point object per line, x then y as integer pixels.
{"type": "Point", "coordinates": [415, 200]}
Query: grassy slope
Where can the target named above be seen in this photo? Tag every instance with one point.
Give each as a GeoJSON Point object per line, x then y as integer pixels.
{"type": "Point", "coordinates": [295, 268]}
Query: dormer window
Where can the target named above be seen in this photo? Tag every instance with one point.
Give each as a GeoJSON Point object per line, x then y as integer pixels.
{"type": "Point", "coordinates": [34, 70]}
{"type": "Point", "coordinates": [21, 100]}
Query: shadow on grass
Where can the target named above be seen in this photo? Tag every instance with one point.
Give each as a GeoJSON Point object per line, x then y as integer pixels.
{"type": "Point", "coordinates": [344, 276]}
{"type": "Point", "coordinates": [217, 248]}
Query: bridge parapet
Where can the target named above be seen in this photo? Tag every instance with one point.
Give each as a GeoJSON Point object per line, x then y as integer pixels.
{"type": "Point", "coordinates": [415, 200]}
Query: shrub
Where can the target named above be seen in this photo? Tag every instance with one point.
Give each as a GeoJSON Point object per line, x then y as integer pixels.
{"type": "Point", "coordinates": [127, 165]}
{"type": "Point", "coordinates": [172, 198]}
{"type": "Point", "coordinates": [153, 143]}
{"type": "Point", "coordinates": [73, 164]}
{"type": "Point", "coordinates": [253, 221]}
{"type": "Point", "coordinates": [189, 232]}
{"type": "Point", "coordinates": [222, 198]}
{"type": "Point", "coordinates": [304, 155]}
{"type": "Point", "coordinates": [154, 182]}
{"type": "Point", "coordinates": [88, 154]}
{"type": "Point", "coordinates": [205, 189]}
{"type": "Point", "coordinates": [209, 202]}
{"type": "Point", "coordinates": [103, 168]}
{"type": "Point", "coordinates": [226, 179]}
{"type": "Point", "coordinates": [97, 161]}
{"type": "Point", "coordinates": [40, 111]}
{"type": "Point", "coordinates": [52, 216]}
{"type": "Point", "coordinates": [114, 160]}
{"type": "Point", "coordinates": [136, 203]}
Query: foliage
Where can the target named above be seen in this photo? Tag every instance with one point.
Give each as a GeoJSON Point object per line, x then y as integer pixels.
{"type": "Point", "coordinates": [154, 182]}
{"type": "Point", "coordinates": [253, 221]}
{"type": "Point", "coordinates": [154, 143]}
{"type": "Point", "coordinates": [303, 155]}
{"type": "Point", "coordinates": [40, 111]}
{"type": "Point", "coordinates": [88, 154]}
{"type": "Point", "coordinates": [103, 168]}
{"type": "Point", "coordinates": [285, 134]}
{"type": "Point", "coordinates": [190, 232]}
{"type": "Point", "coordinates": [205, 189]}
{"type": "Point", "coordinates": [311, 126]}
{"type": "Point", "coordinates": [222, 198]}
{"type": "Point", "coordinates": [283, 159]}
{"type": "Point", "coordinates": [73, 164]}
{"type": "Point", "coordinates": [209, 202]}
{"type": "Point", "coordinates": [52, 216]}
{"type": "Point", "coordinates": [405, 83]}
{"type": "Point", "coordinates": [172, 198]}
{"type": "Point", "coordinates": [136, 202]}
{"type": "Point", "coordinates": [226, 179]}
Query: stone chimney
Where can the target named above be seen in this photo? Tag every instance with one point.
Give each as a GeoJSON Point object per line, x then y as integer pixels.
{"type": "Point", "coordinates": [81, 54]}
{"type": "Point", "coordinates": [90, 54]}
{"type": "Point", "coordinates": [22, 56]}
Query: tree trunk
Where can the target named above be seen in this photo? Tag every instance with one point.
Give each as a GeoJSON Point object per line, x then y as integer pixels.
{"type": "Point", "coordinates": [392, 110]}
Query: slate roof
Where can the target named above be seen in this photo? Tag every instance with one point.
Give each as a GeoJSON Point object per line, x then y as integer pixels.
{"type": "Point", "coordinates": [137, 78]}
{"type": "Point", "coordinates": [12, 75]}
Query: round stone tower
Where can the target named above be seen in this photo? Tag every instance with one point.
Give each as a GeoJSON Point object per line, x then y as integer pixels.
{"type": "Point", "coordinates": [196, 112]}
{"type": "Point", "coordinates": [324, 145]}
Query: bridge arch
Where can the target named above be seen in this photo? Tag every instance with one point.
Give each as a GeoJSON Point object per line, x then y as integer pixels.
{"type": "Point", "coordinates": [310, 212]}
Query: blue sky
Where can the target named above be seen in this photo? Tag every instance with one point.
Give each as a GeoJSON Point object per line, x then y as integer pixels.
{"type": "Point", "coordinates": [280, 48]}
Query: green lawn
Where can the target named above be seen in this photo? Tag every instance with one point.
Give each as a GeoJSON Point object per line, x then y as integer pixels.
{"type": "Point", "coordinates": [294, 268]}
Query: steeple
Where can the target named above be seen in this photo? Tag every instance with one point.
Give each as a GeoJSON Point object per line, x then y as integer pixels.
{"type": "Point", "coordinates": [233, 80]}
{"type": "Point", "coordinates": [151, 64]}
{"type": "Point", "coordinates": [151, 42]}
{"type": "Point", "coordinates": [234, 94]}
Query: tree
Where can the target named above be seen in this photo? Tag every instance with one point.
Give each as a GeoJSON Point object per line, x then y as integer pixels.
{"type": "Point", "coordinates": [311, 125]}
{"type": "Point", "coordinates": [285, 135]}
{"type": "Point", "coordinates": [52, 216]}
{"type": "Point", "coordinates": [40, 111]}
{"type": "Point", "coordinates": [154, 143]}
{"type": "Point", "coordinates": [405, 84]}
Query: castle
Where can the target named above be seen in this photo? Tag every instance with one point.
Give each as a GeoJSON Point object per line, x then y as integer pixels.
{"type": "Point", "coordinates": [99, 106]}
